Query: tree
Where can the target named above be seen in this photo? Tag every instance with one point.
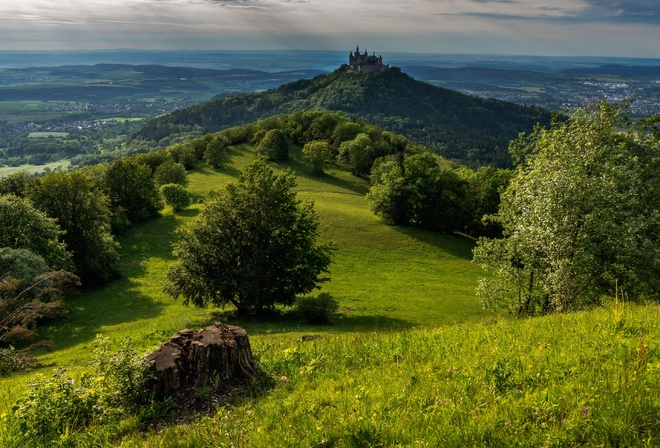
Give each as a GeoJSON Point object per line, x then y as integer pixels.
{"type": "Point", "coordinates": [170, 172]}
{"type": "Point", "coordinates": [22, 226]}
{"type": "Point", "coordinates": [358, 153]}
{"type": "Point", "coordinates": [485, 187]}
{"type": "Point", "coordinates": [17, 184]}
{"type": "Point", "coordinates": [81, 210]}
{"type": "Point", "coordinates": [132, 192]}
{"type": "Point", "coordinates": [420, 191]}
{"type": "Point", "coordinates": [217, 153]}
{"type": "Point", "coordinates": [316, 154]}
{"type": "Point", "coordinates": [253, 246]}
{"type": "Point", "coordinates": [176, 196]}
{"type": "Point", "coordinates": [580, 217]}
{"type": "Point", "coordinates": [389, 196]}
{"type": "Point", "coordinates": [274, 145]}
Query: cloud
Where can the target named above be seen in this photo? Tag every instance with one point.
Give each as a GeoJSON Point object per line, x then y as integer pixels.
{"type": "Point", "coordinates": [630, 11]}
{"type": "Point", "coordinates": [511, 26]}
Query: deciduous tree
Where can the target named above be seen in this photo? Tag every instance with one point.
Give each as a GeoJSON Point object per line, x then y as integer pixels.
{"type": "Point", "coordinates": [170, 172]}
{"type": "Point", "coordinates": [254, 246]}
{"type": "Point", "coordinates": [22, 226]}
{"type": "Point", "coordinates": [274, 145]}
{"type": "Point", "coordinates": [81, 210]}
{"type": "Point", "coordinates": [581, 215]}
{"type": "Point", "coordinates": [316, 154]}
{"type": "Point", "coordinates": [176, 196]}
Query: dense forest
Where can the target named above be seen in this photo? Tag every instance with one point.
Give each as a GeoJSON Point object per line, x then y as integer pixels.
{"type": "Point", "coordinates": [459, 127]}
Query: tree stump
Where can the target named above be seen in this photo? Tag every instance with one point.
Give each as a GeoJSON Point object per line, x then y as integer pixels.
{"type": "Point", "coordinates": [194, 359]}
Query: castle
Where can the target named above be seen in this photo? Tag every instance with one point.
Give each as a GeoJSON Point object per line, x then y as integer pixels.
{"type": "Point", "coordinates": [365, 62]}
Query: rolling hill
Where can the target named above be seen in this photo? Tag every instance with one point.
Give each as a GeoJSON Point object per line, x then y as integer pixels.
{"type": "Point", "coordinates": [468, 129]}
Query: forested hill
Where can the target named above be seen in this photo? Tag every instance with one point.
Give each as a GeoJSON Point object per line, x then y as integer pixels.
{"type": "Point", "coordinates": [472, 130]}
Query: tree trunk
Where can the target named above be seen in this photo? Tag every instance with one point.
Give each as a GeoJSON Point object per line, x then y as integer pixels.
{"type": "Point", "coordinates": [218, 354]}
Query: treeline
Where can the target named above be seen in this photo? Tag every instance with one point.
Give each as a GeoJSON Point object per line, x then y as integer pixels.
{"type": "Point", "coordinates": [410, 185]}
{"type": "Point", "coordinates": [459, 127]}
{"type": "Point", "coordinates": [58, 231]}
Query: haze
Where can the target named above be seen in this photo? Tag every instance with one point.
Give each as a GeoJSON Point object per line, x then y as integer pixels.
{"type": "Point", "coordinates": [531, 27]}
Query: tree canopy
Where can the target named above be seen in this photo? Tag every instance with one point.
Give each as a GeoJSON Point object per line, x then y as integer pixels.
{"type": "Point", "coordinates": [255, 245]}
{"type": "Point", "coordinates": [580, 218]}
{"type": "Point", "coordinates": [81, 210]}
{"type": "Point", "coordinates": [22, 226]}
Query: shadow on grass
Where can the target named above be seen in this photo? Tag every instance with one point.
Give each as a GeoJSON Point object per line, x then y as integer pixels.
{"type": "Point", "coordinates": [341, 183]}
{"type": "Point", "coordinates": [151, 239]}
{"type": "Point", "coordinates": [288, 321]}
{"type": "Point", "coordinates": [454, 244]}
{"type": "Point", "coordinates": [118, 303]}
{"type": "Point", "coordinates": [302, 170]}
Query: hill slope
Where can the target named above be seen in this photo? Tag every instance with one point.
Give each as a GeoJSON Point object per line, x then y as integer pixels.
{"type": "Point", "coordinates": [472, 130]}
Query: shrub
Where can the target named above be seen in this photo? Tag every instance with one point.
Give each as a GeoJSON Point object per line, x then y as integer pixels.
{"type": "Point", "coordinates": [58, 406]}
{"type": "Point", "coordinates": [176, 196]}
{"type": "Point", "coordinates": [317, 310]}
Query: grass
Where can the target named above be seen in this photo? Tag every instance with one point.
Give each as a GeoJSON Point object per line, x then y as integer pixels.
{"type": "Point", "coordinates": [412, 360]}
{"type": "Point", "coordinates": [581, 379]}
{"type": "Point", "coordinates": [588, 379]}
{"type": "Point", "coordinates": [33, 169]}
{"type": "Point", "coordinates": [385, 278]}
{"type": "Point", "coordinates": [48, 134]}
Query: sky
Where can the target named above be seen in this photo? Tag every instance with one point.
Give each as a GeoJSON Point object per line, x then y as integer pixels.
{"type": "Point", "coordinates": [528, 27]}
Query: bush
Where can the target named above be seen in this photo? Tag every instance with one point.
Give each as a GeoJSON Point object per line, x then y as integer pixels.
{"type": "Point", "coordinates": [317, 310]}
{"type": "Point", "coordinates": [58, 406]}
{"type": "Point", "coordinates": [176, 196]}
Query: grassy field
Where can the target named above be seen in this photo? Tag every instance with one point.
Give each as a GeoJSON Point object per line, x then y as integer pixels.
{"type": "Point", "coordinates": [48, 134]}
{"type": "Point", "coordinates": [586, 379]}
{"type": "Point", "coordinates": [412, 360]}
{"type": "Point", "coordinates": [32, 169]}
{"type": "Point", "coordinates": [385, 278]}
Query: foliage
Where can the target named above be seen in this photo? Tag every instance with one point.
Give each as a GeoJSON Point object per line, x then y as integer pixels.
{"type": "Point", "coordinates": [17, 184]}
{"type": "Point", "coordinates": [580, 215]}
{"type": "Point", "coordinates": [317, 153]}
{"type": "Point", "coordinates": [22, 226]}
{"type": "Point", "coordinates": [254, 245]}
{"type": "Point", "coordinates": [317, 310]}
{"type": "Point", "coordinates": [274, 145]}
{"type": "Point", "coordinates": [21, 264]}
{"type": "Point", "coordinates": [484, 188]}
{"type": "Point", "coordinates": [421, 190]}
{"type": "Point", "coordinates": [473, 130]}
{"type": "Point", "coordinates": [132, 190]}
{"type": "Point", "coordinates": [358, 153]}
{"type": "Point", "coordinates": [170, 172]}
{"type": "Point", "coordinates": [216, 153]}
{"type": "Point", "coordinates": [176, 196]}
{"type": "Point", "coordinates": [54, 408]}
{"type": "Point", "coordinates": [82, 212]}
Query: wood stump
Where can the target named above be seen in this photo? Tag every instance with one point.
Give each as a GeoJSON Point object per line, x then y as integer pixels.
{"type": "Point", "coordinates": [193, 359]}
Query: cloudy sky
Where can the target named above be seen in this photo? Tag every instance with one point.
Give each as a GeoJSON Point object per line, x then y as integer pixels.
{"type": "Point", "coordinates": [532, 27]}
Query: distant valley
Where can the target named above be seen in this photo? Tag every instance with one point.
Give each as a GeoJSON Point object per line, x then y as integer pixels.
{"type": "Point", "coordinates": [59, 106]}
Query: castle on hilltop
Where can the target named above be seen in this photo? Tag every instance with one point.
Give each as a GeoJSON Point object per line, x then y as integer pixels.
{"type": "Point", "coordinates": [364, 62]}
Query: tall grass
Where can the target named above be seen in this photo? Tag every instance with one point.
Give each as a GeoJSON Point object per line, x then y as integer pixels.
{"type": "Point", "coordinates": [581, 379]}
{"type": "Point", "coordinates": [588, 378]}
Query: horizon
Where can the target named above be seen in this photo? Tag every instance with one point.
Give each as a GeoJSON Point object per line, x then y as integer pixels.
{"type": "Point", "coordinates": [283, 60]}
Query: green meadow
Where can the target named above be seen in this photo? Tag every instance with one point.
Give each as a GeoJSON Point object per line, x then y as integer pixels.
{"type": "Point", "coordinates": [412, 359]}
